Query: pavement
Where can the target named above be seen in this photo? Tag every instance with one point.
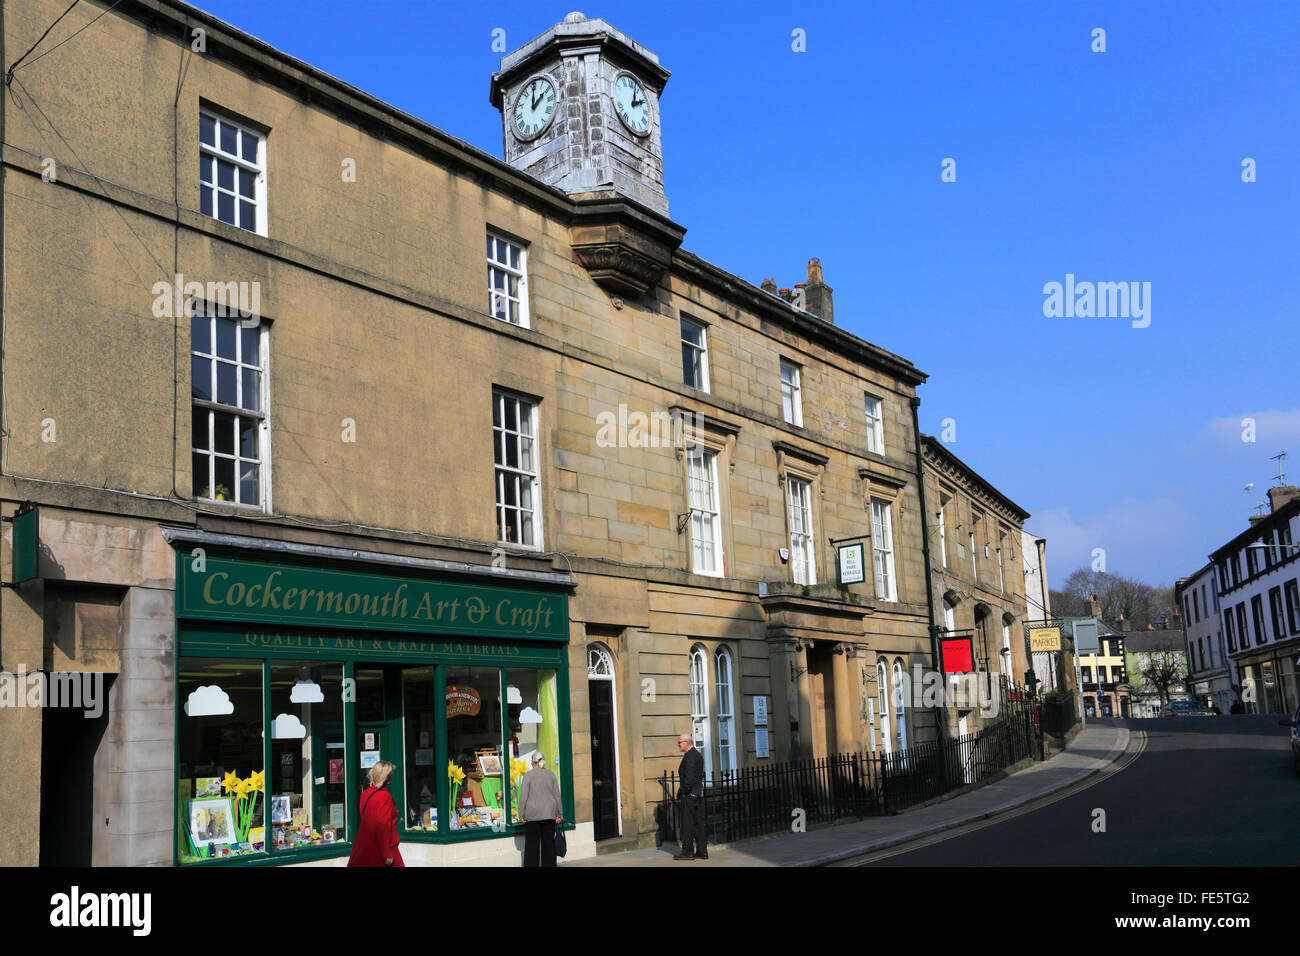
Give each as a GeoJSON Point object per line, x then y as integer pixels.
{"type": "Point", "coordinates": [1092, 752]}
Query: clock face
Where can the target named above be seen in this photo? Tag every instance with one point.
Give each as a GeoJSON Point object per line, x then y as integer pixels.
{"type": "Point", "coordinates": [534, 108]}
{"type": "Point", "coordinates": [632, 104]}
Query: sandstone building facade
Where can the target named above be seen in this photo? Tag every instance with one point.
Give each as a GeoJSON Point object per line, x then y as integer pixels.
{"type": "Point", "coordinates": [365, 438]}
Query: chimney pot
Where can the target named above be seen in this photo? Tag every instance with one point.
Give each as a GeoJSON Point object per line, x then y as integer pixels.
{"type": "Point", "coordinates": [814, 271]}
{"type": "Point", "coordinates": [768, 285]}
{"type": "Point", "coordinates": [818, 299]}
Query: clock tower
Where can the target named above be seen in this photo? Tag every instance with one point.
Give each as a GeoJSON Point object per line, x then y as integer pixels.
{"type": "Point", "coordinates": [580, 110]}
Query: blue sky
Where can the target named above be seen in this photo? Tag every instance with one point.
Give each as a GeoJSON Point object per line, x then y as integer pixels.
{"type": "Point", "coordinates": [1117, 166]}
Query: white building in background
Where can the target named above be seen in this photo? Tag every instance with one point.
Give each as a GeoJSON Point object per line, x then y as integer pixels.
{"type": "Point", "coordinates": [1038, 603]}
{"type": "Point", "coordinates": [1209, 668]}
{"type": "Point", "coordinates": [1259, 592]}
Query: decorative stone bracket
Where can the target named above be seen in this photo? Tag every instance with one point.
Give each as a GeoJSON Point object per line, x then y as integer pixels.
{"type": "Point", "coordinates": [624, 246]}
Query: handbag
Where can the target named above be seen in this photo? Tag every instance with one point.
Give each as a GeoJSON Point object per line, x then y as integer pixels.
{"type": "Point", "coordinates": [561, 845]}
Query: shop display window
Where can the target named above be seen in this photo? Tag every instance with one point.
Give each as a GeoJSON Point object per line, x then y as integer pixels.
{"type": "Point", "coordinates": [476, 771]}
{"type": "Point", "coordinates": [419, 713]}
{"type": "Point", "coordinates": [233, 804]}
{"type": "Point", "coordinates": [533, 712]}
{"type": "Point", "coordinates": [307, 779]}
{"type": "Point", "coordinates": [221, 792]}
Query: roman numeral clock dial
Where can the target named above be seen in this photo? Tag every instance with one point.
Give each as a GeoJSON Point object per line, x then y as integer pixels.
{"type": "Point", "coordinates": [534, 108]}
{"type": "Point", "coordinates": [632, 105]}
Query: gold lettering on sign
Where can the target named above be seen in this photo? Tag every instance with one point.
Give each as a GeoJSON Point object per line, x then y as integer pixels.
{"type": "Point", "coordinates": [207, 586]}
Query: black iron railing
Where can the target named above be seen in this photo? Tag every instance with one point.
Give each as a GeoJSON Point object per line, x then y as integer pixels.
{"type": "Point", "coordinates": [776, 797]}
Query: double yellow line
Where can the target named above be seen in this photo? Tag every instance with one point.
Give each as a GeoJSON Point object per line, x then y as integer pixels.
{"type": "Point", "coordinates": [1137, 745]}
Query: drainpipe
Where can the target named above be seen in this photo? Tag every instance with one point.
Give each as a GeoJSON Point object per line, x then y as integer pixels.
{"type": "Point", "coordinates": [925, 561]}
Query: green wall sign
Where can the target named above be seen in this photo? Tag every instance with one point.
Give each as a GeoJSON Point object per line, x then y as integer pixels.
{"type": "Point", "coordinates": [26, 540]}
{"type": "Point", "coordinates": [232, 589]}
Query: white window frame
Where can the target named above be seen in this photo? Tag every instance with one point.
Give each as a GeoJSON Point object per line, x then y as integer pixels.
{"type": "Point", "coordinates": [508, 260]}
{"type": "Point", "coordinates": [900, 703]}
{"type": "Point", "coordinates": [803, 561]}
{"type": "Point", "coordinates": [213, 314]}
{"type": "Point", "coordinates": [882, 549]}
{"type": "Point", "coordinates": [502, 472]}
{"type": "Point", "coordinates": [699, 667]}
{"type": "Point", "coordinates": [211, 154]}
{"type": "Point", "coordinates": [704, 502]}
{"type": "Point", "coordinates": [699, 355]}
{"type": "Point", "coordinates": [1006, 646]}
{"type": "Point", "coordinates": [791, 397]}
{"type": "Point", "coordinates": [944, 500]}
{"type": "Point", "coordinates": [875, 424]}
{"type": "Point", "coordinates": [600, 666]}
{"type": "Point", "coordinates": [882, 702]}
{"type": "Point", "coordinates": [726, 718]}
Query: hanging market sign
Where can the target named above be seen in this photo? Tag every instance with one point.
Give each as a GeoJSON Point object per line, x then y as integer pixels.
{"type": "Point", "coordinates": [463, 702]}
{"type": "Point", "coordinates": [224, 589]}
{"type": "Point", "coordinates": [1044, 639]}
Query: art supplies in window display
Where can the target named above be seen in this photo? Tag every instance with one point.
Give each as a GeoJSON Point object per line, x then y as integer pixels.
{"type": "Point", "coordinates": [220, 789]}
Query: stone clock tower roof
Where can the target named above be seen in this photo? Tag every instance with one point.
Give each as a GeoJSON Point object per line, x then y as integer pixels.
{"type": "Point", "coordinates": [587, 147]}
{"type": "Point", "coordinates": [577, 27]}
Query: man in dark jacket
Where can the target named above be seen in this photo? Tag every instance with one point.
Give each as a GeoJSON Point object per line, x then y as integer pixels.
{"type": "Point", "coordinates": [691, 795]}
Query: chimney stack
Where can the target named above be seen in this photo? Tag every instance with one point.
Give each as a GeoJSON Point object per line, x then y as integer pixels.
{"type": "Point", "coordinates": [1094, 606]}
{"type": "Point", "coordinates": [1279, 496]}
{"type": "Point", "coordinates": [818, 293]}
{"type": "Point", "coordinates": [769, 285]}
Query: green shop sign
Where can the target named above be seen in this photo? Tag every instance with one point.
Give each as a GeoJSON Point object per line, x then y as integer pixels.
{"type": "Point", "coordinates": [230, 589]}
{"type": "Point", "coordinates": [289, 643]}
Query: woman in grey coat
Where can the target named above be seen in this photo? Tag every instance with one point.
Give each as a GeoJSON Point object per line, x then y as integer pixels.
{"type": "Point", "coordinates": [539, 808]}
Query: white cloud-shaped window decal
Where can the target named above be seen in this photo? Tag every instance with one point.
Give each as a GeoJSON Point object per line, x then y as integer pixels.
{"type": "Point", "coordinates": [306, 692]}
{"type": "Point", "coordinates": [208, 701]}
{"type": "Point", "coordinates": [512, 695]}
{"type": "Point", "coordinates": [287, 727]}
{"type": "Point", "coordinates": [529, 716]}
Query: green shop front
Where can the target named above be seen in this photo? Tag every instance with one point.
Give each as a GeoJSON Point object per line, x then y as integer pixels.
{"type": "Point", "coordinates": [451, 674]}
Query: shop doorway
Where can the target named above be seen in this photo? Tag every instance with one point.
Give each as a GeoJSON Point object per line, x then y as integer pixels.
{"type": "Point", "coordinates": [69, 741]}
{"type": "Point", "coordinates": [379, 727]}
{"type": "Point", "coordinates": [607, 819]}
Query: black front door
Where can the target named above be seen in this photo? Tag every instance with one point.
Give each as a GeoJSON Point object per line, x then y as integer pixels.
{"type": "Point", "coordinates": [604, 784]}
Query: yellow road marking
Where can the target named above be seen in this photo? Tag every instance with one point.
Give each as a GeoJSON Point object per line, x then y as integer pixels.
{"type": "Point", "coordinates": [1130, 755]}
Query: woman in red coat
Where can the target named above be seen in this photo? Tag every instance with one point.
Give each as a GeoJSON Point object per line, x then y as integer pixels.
{"type": "Point", "coordinates": [376, 840]}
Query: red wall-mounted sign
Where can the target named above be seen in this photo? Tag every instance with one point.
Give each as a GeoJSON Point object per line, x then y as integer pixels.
{"type": "Point", "coordinates": [957, 655]}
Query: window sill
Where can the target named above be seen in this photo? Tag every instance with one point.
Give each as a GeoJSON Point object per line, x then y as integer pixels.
{"type": "Point", "coordinates": [235, 507]}
{"type": "Point", "coordinates": [529, 548]}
